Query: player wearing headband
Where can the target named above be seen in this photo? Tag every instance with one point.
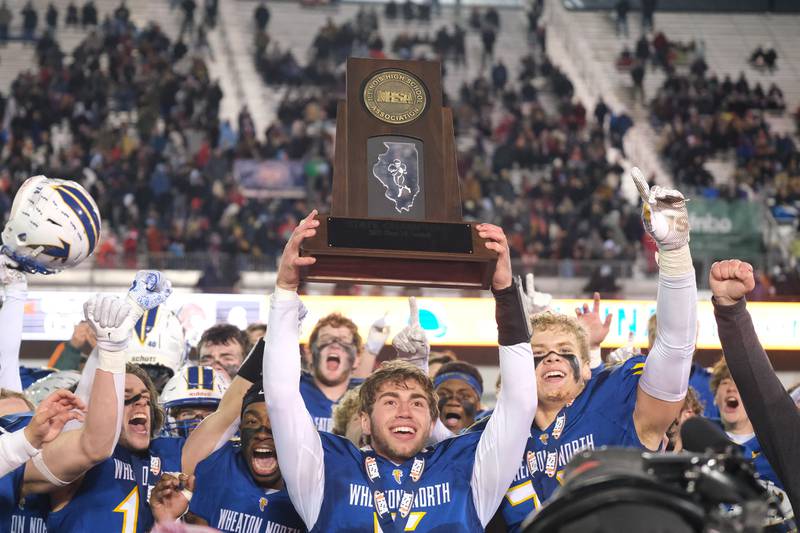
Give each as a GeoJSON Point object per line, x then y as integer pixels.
{"type": "Point", "coordinates": [398, 484]}
{"type": "Point", "coordinates": [459, 386]}
{"type": "Point", "coordinates": [632, 404]}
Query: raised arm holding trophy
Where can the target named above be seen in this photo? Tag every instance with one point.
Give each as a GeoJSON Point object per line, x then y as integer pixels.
{"type": "Point", "coordinates": [395, 217]}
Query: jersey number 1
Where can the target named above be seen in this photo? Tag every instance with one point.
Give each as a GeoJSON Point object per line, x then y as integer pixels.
{"type": "Point", "coordinates": [129, 507]}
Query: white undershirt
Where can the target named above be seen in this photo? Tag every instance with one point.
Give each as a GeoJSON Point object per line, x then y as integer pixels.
{"type": "Point", "coordinates": [741, 438]}
{"type": "Point", "coordinates": [300, 449]}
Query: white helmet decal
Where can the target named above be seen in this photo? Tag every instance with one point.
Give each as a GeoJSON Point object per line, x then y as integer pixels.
{"type": "Point", "coordinates": [54, 225]}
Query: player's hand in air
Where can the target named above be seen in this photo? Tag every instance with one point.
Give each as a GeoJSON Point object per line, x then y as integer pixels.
{"type": "Point", "coordinates": [411, 342]}
{"type": "Point", "coordinates": [149, 289]}
{"type": "Point", "coordinates": [291, 262]}
{"type": "Point", "coordinates": [589, 318]}
{"type": "Point", "coordinates": [623, 353]}
{"type": "Point", "coordinates": [537, 301]}
{"type": "Point", "coordinates": [497, 242]}
{"type": "Point", "coordinates": [378, 333]}
{"type": "Point", "coordinates": [664, 213]}
{"type": "Point", "coordinates": [730, 280]}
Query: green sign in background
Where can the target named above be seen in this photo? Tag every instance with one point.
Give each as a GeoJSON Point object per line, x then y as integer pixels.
{"type": "Point", "coordinates": [726, 229]}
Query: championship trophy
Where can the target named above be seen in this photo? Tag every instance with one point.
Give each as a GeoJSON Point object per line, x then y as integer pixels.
{"type": "Point", "coordinates": [395, 217]}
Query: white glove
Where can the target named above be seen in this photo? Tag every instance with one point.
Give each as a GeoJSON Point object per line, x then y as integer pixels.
{"type": "Point", "coordinates": [664, 213]}
{"type": "Point", "coordinates": [623, 353]}
{"type": "Point", "coordinates": [411, 342]}
{"type": "Point", "coordinates": [537, 301]}
{"type": "Point", "coordinates": [149, 289]}
{"type": "Point", "coordinates": [112, 320]}
{"type": "Point", "coordinates": [378, 333]}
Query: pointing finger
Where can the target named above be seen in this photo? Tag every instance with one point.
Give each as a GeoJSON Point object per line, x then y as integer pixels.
{"type": "Point", "coordinates": [414, 311]}
{"type": "Point", "coordinates": [641, 183]}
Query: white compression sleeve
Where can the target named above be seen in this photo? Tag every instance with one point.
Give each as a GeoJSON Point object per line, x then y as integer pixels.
{"type": "Point", "coordinates": [11, 315]}
{"type": "Point", "coordinates": [15, 450]}
{"type": "Point", "coordinates": [669, 363]}
{"type": "Point", "coordinates": [595, 357]}
{"type": "Point", "coordinates": [502, 443]}
{"type": "Point", "coordinates": [297, 442]}
{"type": "Point", "coordinates": [119, 389]}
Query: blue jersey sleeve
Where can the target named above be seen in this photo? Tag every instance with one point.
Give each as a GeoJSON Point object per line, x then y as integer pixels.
{"type": "Point", "coordinates": [206, 497]}
{"type": "Point", "coordinates": [612, 396]}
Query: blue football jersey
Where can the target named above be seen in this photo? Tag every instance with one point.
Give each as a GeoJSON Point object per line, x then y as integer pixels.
{"type": "Point", "coordinates": [700, 381]}
{"type": "Point", "coordinates": [114, 495]}
{"type": "Point", "coordinates": [442, 500]}
{"type": "Point", "coordinates": [21, 515]}
{"type": "Point", "coordinates": [228, 499]}
{"type": "Point", "coordinates": [318, 405]}
{"type": "Point", "coordinates": [601, 415]}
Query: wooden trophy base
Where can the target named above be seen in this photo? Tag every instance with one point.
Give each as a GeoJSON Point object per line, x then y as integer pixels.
{"type": "Point", "coordinates": [399, 252]}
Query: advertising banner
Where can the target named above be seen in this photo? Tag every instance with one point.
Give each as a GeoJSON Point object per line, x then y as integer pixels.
{"type": "Point", "coordinates": [51, 315]}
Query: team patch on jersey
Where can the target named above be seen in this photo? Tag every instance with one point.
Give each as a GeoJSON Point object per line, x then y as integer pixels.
{"type": "Point", "coordinates": [397, 474]}
{"type": "Point", "coordinates": [372, 468]}
{"type": "Point", "coordinates": [552, 464]}
{"type": "Point", "coordinates": [532, 466]}
{"type": "Point", "coordinates": [561, 421]}
{"type": "Point", "coordinates": [262, 502]}
{"type": "Point", "coordinates": [380, 503]}
{"type": "Point", "coordinates": [543, 438]}
{"type": "Point", "coordinates": [405, 504]}
{"type": "Point", "coordinates": [417, 468]}
{"type": "Point", "coordinates": [155, 465]}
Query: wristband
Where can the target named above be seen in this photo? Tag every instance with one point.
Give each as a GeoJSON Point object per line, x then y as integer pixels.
{"type": "Point", "coordinates": [675, 262]}
{"type": "Point", "coordinates": [251, 368]}
{"type": "Point", "coordinates": [511, 315]}
{"type": "Point", "coordinates": [109, 361]}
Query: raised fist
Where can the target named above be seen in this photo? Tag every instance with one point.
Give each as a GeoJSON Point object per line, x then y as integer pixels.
{"type": "Point", "coordinates": [730, 280]}
{"type": "Point", "coordinates": [149, 289]}
{"type": "Point", "coordinates": [112, 320]}
{"type": "Point", "coordinates": [664, 213]}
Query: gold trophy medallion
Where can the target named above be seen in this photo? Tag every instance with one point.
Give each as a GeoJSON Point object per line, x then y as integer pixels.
{"type": "Point", "coordinates": [395, 96]}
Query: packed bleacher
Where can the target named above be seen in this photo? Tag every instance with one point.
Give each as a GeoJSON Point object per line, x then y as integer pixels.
{"type": "Point", "coordinates": [154, 115]}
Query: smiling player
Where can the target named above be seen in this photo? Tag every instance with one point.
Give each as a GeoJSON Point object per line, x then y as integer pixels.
{"type": "Point", "coordinates": [398, 484]}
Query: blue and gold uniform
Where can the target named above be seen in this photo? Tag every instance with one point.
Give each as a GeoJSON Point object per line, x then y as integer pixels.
{"type": "Point", "coordinates": [601, 415]}
{"type": "Point", "coordinates": [700, 381]}
{"type": "Point", "coordinates": [114, 495]}
{"type": "Point", "coordinates": [228, 499]}
{"type": "Point", "coordinates": [442, 495]}
{"type": "Point", "coordinates": [21, 514]}
{"type": "Point", "coordinates": [319, 406]}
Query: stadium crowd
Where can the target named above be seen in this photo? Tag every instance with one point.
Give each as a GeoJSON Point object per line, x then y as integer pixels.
{"type": "Point", "coordinates": [132, 103]}
{"type": "Point", "coordinates": [138, 425]}
{"type": "Point", "coordinates": [139, 436]}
